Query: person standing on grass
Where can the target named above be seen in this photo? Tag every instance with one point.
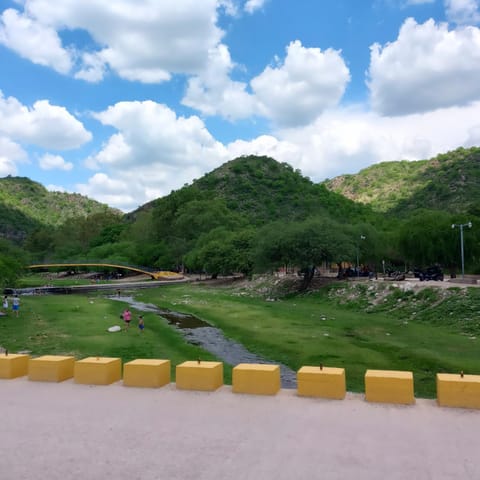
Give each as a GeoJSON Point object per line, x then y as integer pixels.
{"type": "Point", "coordinates": [127, 318]}
{"type": "Point", "coordinates": [141, 323]}
{"type": "Point", "coordinates": [16, 305]}
{"type": "Point", "coordinates": [5, 304]}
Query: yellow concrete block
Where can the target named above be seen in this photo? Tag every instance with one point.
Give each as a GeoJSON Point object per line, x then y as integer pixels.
{"type": "Point", "coordinates": [256, 378]}
{"type": "Point", "coordinates": [325, 382]}
{"type": "Point", "coordinates": [205, 376]}
{"type": "Point", "coordinates": [457, 391]}
{"type": "Point", "coordinates": [51, 368]}
{"type": "Point", "coordinates": [146, 373]}
{"type": "Point", "coordinates": [98, 370]}
{"type": "Point", "coordinates": [13, 365]}
{"type": "Point", "coordinates": [389, 386]}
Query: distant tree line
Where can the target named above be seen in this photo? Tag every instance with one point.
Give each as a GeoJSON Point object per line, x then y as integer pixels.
{"type": "Point", "coordinates": [205, 236]}
{"type": "Point", "coordinates": [250, 216]}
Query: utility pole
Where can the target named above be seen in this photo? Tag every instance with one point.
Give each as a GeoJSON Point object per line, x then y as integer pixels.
{"type": "Point", "coordinates": [461, 225]}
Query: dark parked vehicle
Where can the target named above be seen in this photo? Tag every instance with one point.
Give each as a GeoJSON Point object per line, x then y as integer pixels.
{"type": "Point", "coordinates": [430, 273]}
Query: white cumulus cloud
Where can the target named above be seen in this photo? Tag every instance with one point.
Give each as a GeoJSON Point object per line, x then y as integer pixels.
{"type": "Point", "coordinates": [155, 151]}
{"type": "Point", "coordinates": [268, 145]}
{"type": "Point", "coordinates": [214, 93]}
{"type": "Point", "coordinates": [54, 162]}
{"type": "Point", "coordinates": [152, 152]}
{"type": "Point", "coordinates": [349, 139]}
{"type": "Point", "coordinates": [301, 88]}
{"type": "Point", "coordinates": [33, 40]}
{"type": "Point", "coordinates": [473, 139]}
{"type": "Point", "coordinates": [463, 12]}
{"type": "Point", "coordinates": [10, 155]}
{"type": "Point", "coordinates": [45, 125]}
{"type": "Point", "coordinates": [144, 41]}
{"type": "Point", "coordinates": [253, 5]}
{"type": "Point", "coordinates": [93, 68]}
{"type": "Point", "coordinates": [427, 67]}
{"type": "Point", "coordinates": [113, 192]}
{"type": "Point", "coordinates": [229, 7]}
{"type": "Point", "coordinates": [152, 132]}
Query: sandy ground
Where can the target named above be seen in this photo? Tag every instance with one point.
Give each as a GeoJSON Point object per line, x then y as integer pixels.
{"type": "Point", "coordinates": [68, 431]}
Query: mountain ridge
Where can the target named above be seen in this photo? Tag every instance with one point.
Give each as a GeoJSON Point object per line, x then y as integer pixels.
{"type": "Point", "coordinates": [261, 189]}
{"type": "Point", "coordinates": [450, 181]}
{"type": "Point", "coordinates": [26, 205]}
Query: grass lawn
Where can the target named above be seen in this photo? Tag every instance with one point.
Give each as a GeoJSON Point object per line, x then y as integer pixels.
{"type": "Point", "coordinates": [296, 331]}
{"type": "Point", "coordinates": [310, 330]}
{"type": "Point", "coordinates": [77, 325]}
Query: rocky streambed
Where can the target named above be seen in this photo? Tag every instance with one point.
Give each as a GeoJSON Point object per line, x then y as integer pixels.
{"type": "Point", "coordinates": [212, 339]}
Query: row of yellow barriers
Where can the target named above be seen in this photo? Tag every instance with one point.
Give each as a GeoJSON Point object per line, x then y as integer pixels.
{"type": "Point", "coordinates": [385, 386]}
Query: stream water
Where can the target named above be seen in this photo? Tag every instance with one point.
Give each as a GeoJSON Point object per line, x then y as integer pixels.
{"type": "Point", "coordinates": [212, 339]}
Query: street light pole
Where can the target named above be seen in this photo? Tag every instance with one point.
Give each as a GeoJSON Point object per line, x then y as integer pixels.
{"type": "Point", "coordinates": [461, 225]}
{"type": "Point", "coordinates": [362, 237]}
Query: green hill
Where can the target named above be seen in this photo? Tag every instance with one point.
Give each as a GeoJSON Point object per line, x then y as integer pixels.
{"type": "Point", "coordinates": [254, 213]}
{"type": "Point", "coordinates": [262, 190]}
{"type": "Point", "coordinates": [449, 182]}
{"type": "Point", "coordinates": [26, 205]}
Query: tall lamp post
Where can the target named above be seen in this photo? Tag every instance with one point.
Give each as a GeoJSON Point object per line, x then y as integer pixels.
{"type": "Point", "coordinates": [362, 237]}
{"type": "Point", "coordinates": [461, 225]}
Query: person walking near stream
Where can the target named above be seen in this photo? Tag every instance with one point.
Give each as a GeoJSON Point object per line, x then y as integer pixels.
{"type": "Point", "coordinates": [16, 305]}
{"type": "Point", "coordinates": [5, 304]}
{"type": "Point", "coordinates": [127, 318]}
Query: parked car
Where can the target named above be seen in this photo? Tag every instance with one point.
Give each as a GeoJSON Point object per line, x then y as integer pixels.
{"type": "Point", "coordinates": [434, 272]}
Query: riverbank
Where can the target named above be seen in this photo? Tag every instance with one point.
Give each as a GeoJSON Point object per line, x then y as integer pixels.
{"type": "Point", "coordinates": [354, 325]}
{"type": "Point", "coordinates": [200, 333]}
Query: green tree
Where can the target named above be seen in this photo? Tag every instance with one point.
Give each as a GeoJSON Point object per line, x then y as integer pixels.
{"type": "Point", "coordinates": [77, 235]}
{"type": "Point", "coordinates": [202, 216]}
{"type": "Point", "coordinates": [222, 252]}
{"type": "Point", "coordinates": [304, 245]}
{"type": "Point", "coordinates": [427, 238]}
{"type": "Point", "coordinates": [11, 263]}
{"type": "Point", "coordinates": [40, 243]}
{"type": "Point", "coordinates": [243, 244]}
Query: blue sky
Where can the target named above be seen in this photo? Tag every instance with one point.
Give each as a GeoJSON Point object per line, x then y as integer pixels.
{"type": "Point", "coordinates": [124, 101]}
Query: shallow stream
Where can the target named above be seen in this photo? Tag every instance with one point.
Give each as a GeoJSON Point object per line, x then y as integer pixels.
{"type": "Point", "coordinates": [212, 339]}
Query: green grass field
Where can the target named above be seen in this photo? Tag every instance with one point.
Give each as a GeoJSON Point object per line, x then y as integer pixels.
{"type": "Point", "coordinates": [296, 331]}
{"type": "Point", "coordinates": [77, 325]}
{"type": "Point", "coordinates": [312, 329]}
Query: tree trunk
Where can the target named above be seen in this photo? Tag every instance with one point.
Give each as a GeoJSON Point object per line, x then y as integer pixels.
{"type": "Point", "coordinates": [307, 277]}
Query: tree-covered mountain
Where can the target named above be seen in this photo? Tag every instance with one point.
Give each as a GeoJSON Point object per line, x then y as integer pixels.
{"type": "Point", "coordinates": [266, 190]}
{"type": "Point", "coordinates": [26, 205]}
{"type": "Point", "coordinates": [254, 214]}
{"type": "Point", "coordinates": [261, 190]}
{"type": "Point", "coordinates": [217, 222]}
{"type": "Point", "coordinates": [449, 182]}
{"type": "Point", "coordinates": [273, 215]}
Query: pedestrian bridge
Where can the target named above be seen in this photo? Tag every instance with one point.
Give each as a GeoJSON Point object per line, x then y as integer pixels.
{"type": "Point", "coordinates": [154, 274]}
